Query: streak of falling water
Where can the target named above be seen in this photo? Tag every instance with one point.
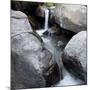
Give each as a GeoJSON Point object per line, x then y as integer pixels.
{"type": "Point", "coordinates": [40, 32]}
{"type": "Point", "coordinates": [46, 19]}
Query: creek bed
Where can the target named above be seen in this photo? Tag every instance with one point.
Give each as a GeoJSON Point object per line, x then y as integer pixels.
{"type": "Point", "coordinates": [51, 43]}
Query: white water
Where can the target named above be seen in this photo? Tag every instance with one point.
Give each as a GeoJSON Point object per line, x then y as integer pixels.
{"type": "Point", "coordinates": [68, 79]}
{"type": "Point", "coordinates": [46, 19]}
{"type": "Point", "coordinates": [40, 32]}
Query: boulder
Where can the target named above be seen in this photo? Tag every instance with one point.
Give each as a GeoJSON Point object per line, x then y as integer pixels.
{"type": "Point", "coordinates": [74, 56]}
{"type": "Point", "coordinates": [54, 30]}
{"type": "Point", "coordinates": [40, 11]}
{"type": "Point", "coordinates": [19, 22]}
{"type": "Point", "coordinates": [32, 65]}
{"type": "Point", "coordinates": [71, 17]}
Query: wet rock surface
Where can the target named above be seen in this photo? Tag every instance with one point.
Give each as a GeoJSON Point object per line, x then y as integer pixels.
{"type": "Point", "coordinates": [32, 65]}
{"type": "Point", "coordinates": [19, 22]}
{"type": "Point", "coordinates": [56, 44]}
{"type": "Point", "coordinates": [40, 11]}
{"type": "Point", "coordinates": [74, 56]}
{"type": "Point", "coordinates": [52, 56]}
{"type": "Point", "coordinates": [71, 17]}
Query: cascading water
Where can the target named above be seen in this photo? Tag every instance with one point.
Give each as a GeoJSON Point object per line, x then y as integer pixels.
{"type": "Point", "coordinates": [51, 44]}
{"type": "Point", "coordinates": [46, 19]}
{"type": "Point", "coordinates": [40, 32]}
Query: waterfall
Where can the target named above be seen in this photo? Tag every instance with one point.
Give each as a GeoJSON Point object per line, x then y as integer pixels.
{"type": "Point", "coordinates": [40, 32]}
{"type": "Point", "coordinates": [52, 44]}
{"type": "Point", "coordinates": [46, 19]}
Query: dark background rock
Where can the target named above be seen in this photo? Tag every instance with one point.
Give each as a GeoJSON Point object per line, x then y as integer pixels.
{"type": "Point", "coordinates": [29, 8]}
{"type": "Point", "coordinates": [40, 11]}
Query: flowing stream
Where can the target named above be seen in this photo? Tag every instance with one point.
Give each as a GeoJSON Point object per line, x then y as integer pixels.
{"type": "Point", "coordinates": [55, 43]}
{"type": "Point", "coordinates": [51, 44]}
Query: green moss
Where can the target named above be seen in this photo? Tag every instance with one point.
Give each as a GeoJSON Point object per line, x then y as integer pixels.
{"type": "Point", "coordinates": [48, 5]}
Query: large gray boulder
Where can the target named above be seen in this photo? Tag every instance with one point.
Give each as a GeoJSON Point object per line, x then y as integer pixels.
{"type": "Point", "coordinates": [19, 22]}
{"type": "Point", "coordinates": [71, 17]}
{"type": "Point", "coordinates": [75, 55]}
{"type": "Point", "coordinates": [32, 65]}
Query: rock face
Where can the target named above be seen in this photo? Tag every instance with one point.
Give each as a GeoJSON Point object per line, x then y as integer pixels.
{"type": "Point", "coordinates": [32, 65]}
{"type": "Point", "coordinates": [26, 7]}
{"type": "Point", "coordinates": [74, 56]}
{"type": "Point", "coordinates": [40, 11]}
{"type": "Point", "coordinates": [19, 22]}
{"type": "Point", "coordinates": [71, 17]}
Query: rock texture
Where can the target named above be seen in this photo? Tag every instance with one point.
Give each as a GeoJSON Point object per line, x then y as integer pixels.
{"type": "Point", "coordinates": [71, 17]}
{"type": "Point", "coordinates": [32, 65]}
{"type": "Point", "coordinates": [19, 22]}
{"type": "Point", "coordinates": [40, 11]}
{"type": "Point", "coordinates": [74, 56]}
{"type": "Point", "coordinates": [26, 7]}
